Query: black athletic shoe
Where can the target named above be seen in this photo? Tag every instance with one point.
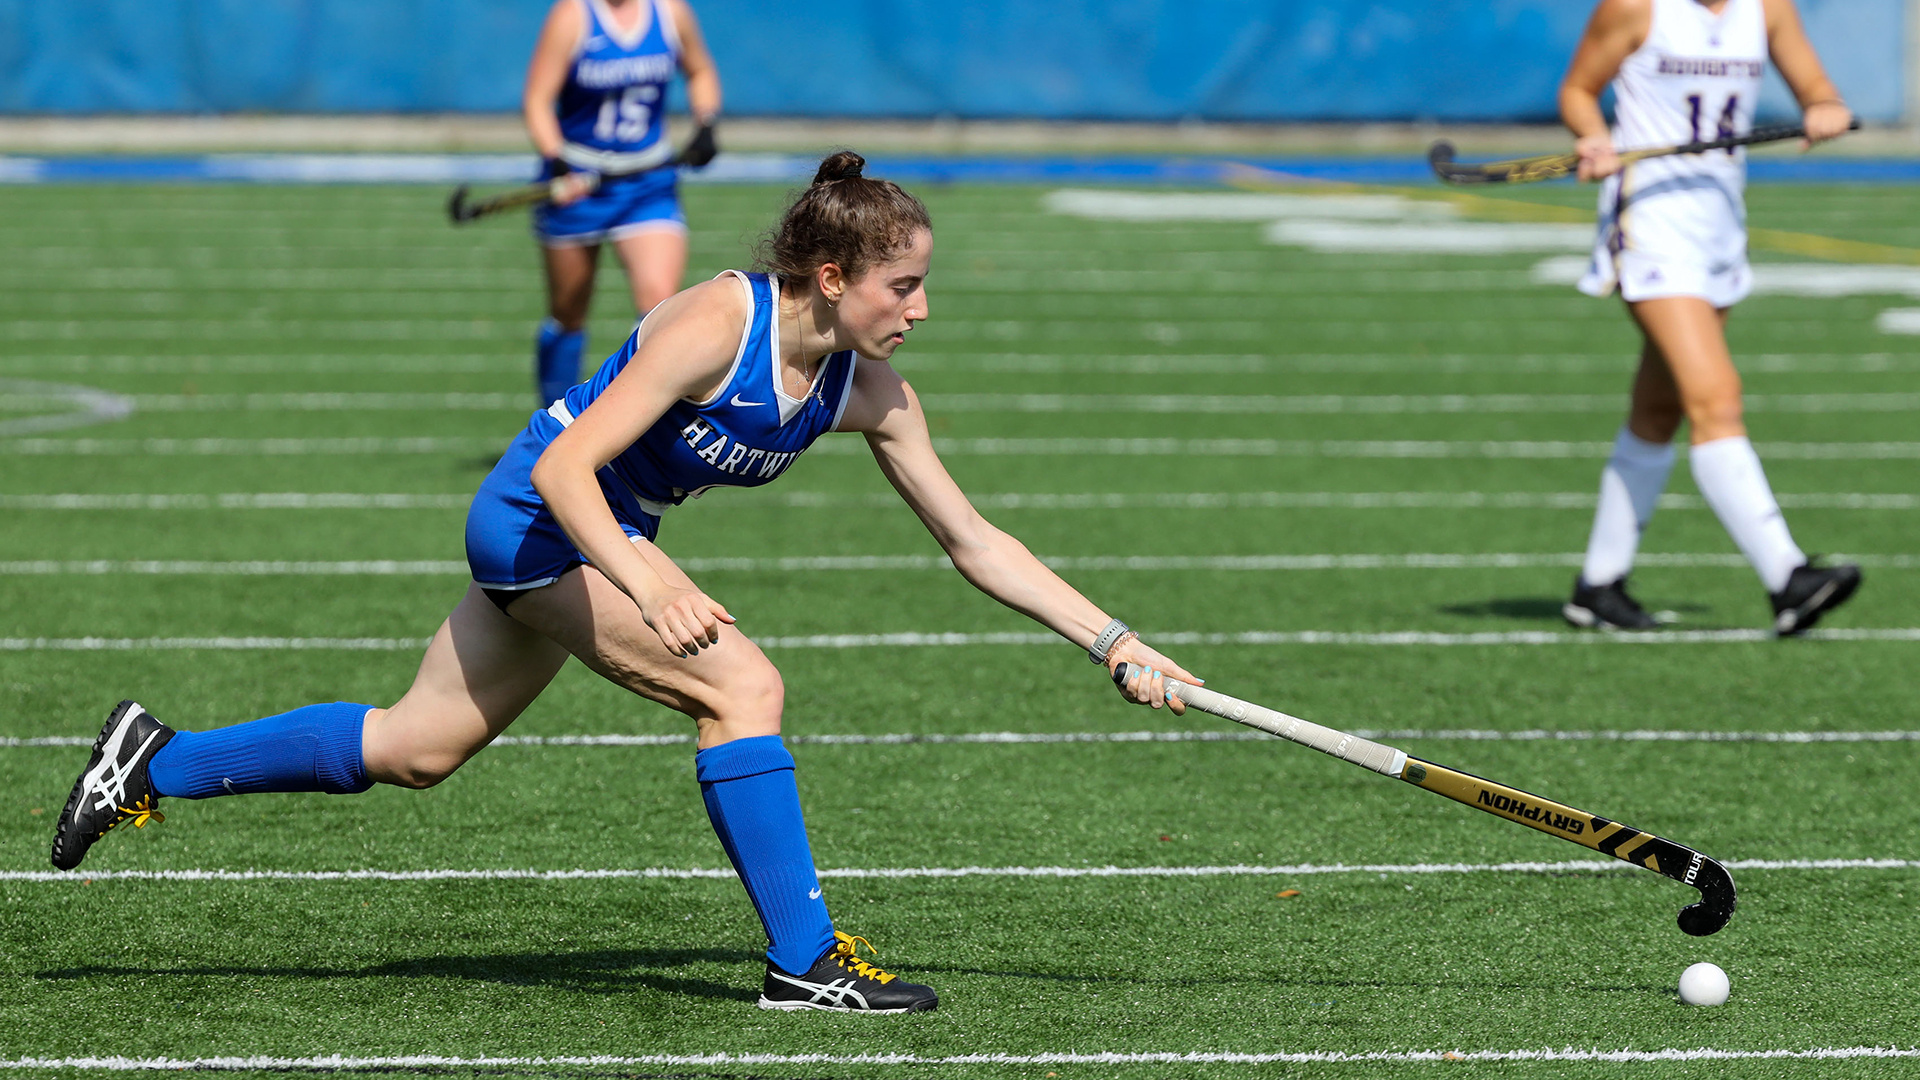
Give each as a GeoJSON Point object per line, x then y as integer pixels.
{"type": "Point", "coordinates": [842, 982]}
{"type": "Point", "coordinates": [1811, 592]}
{"type": "Point", "coordinates": [114, 786]}
{"type": "Point", "coordinates": [1606, 607]}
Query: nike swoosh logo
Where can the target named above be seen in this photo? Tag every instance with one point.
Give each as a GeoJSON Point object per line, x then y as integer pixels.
{"type": "Point", "coordinates": [813, 894]}
{"type": "Point", "coordinates": [744, 404]}
{"type": "Point", "coordinates": [228, 784]}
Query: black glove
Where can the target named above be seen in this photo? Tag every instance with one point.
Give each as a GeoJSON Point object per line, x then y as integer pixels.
{"type": "Point", "coordinates": [699, 149]}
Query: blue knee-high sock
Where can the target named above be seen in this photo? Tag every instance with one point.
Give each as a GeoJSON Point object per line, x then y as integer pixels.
{"type": "Point", "coordinates": [556, 355]}
{"type": "Point", "coordinates": [755, 808]}
{"type": "Point", "coordinates": [316, 748]}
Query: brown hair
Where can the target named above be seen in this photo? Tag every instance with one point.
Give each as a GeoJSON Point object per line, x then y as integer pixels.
{"type": "Point", "coordinates": [843, 218]}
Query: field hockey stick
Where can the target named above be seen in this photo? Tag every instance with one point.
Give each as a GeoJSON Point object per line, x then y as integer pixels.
{"type": "Point", "coordinates": [1642, 849]}
{"type": "Point", "coordinates": [1555, 166]}
{"type": "Point", "coordinates": [460, 211]}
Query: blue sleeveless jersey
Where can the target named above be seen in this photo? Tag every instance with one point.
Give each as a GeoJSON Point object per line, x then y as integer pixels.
{"type": "Point", "coordinates": [745, 435]}
{"type": "Point", "coordinates": [612, 108]}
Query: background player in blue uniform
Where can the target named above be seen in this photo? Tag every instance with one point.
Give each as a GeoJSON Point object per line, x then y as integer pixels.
{"type": "Point", "coordinates": [723, 385]}
{"type": "Point", "coordinates": [595, 103]}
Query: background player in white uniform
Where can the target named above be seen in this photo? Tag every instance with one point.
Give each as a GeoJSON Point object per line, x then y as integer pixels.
{"type": "Point", "coordinates": [1673, 241]}
{"type": "Point", "coordinates": [595, 102]}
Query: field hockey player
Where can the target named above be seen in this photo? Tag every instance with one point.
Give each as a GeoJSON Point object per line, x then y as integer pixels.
{"type": "Point", "coordinates": [723, 385]}
{"type": "Point", "coordinates": [1672, 240]}
{"type": "Point", "coordinates": [595, 106]}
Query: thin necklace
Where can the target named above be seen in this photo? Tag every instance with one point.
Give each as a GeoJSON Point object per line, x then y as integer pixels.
{"type": "Point", "coordinates": [800, 338]}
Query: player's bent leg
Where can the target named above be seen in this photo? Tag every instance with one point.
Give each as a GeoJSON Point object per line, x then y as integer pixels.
{"type": "Point", "coordinates": [480, 672]}
{"type": "Point", "coordinates": [746, 778]}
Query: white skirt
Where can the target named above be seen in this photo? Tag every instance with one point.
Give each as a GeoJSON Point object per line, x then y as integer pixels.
{"type": "Point", "coordinates": [1667, 230]}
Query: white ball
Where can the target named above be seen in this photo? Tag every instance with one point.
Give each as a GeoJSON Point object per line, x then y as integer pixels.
{"type": "Point", "coordinates": [1703, 984]}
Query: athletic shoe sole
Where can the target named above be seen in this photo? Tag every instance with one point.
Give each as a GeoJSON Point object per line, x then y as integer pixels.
{"type": "Point", "coordinates": [807, 1006]}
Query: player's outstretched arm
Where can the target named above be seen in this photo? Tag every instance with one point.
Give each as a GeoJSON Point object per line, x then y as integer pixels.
{"type": "Point", "coordinates": [1825, 115]}
{"type": "Point", "coordinates": [686, 347]}
{"type": "Point", "coordinates": [887, 411]}
{"type": "Point", "coordinates": [1615, 30]}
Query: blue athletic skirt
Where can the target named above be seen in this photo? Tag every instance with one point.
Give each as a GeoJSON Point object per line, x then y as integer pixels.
{"type": "Point", "coordinates": [513, 542]}
{"type": "Point", "coordinates": [623, 205]}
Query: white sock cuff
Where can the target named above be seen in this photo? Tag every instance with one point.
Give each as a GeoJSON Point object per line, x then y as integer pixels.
{"type": "Point", "coordinates": [1631, 449]}
{"type": "Point", "coordinates": [1732, 450]}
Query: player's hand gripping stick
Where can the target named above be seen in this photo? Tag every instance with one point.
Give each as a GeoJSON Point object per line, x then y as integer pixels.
{"type": "Point", "coordinates": [1555, 166]}
{"type": "Point", "coordinates": [1642, 849]}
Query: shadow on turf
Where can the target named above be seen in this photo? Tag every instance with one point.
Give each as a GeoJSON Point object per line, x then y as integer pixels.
{"type": "Point", "coordinates": [601, 971]}
{"type": "Point", "coordinates": [616, 971]}
{"type": "Point", "coordinates": [518, 1071]}
{"type": "Point", "coordinates": [1537, 609]}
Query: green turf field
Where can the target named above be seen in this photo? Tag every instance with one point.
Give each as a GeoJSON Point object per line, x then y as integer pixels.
{"type": "Point", "coordinates": [1283, 440]}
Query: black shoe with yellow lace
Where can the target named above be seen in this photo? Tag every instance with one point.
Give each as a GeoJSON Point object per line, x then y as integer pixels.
{"type": "Point", "coordinates": [842, 982]}
{"type": "Point", "coordinates": [113, 787]}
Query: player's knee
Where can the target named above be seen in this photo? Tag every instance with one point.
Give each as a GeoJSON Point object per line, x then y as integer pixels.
{"type": "Point", "coordinates": [752, 700]}
{"type": "Point", "coordinates": [1719, 412]}
{"type": "Point", "coordinates": [422, 772]}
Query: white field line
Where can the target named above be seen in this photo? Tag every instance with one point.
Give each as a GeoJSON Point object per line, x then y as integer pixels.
{"type": "Point", "coordinates": [251, 447]}
{"type": "Point", "coordinates": [280, 500]}
{"type": "Point", "coordinates": [1448, 238]}
{"type": "Point", "coordinates": [1898, 321]}
{"type": "Point", "coordinates": [1373, 363]}
{"type": "Point", "coordinates": [827, 563]}
{"type": "Point", "coordinates": [339, 1062]}
{"type": "Point", "coordinates": [1261, 323]}
{"type": "Point", "coordinates": [259, 363]}
{"type": "Point", "coordinates": [309, 402]}
{"type": "Point", "coordinates": [1265, 404]}
{"type": "Point", "coordinates": [1355, 448]}
{"type": "Point", "coordinates": [1114, 500]}
{"type": "Point", "coordinates": [1776, 279]}
{"type": "Point", "coordinates": [1032, 363]}
{"type": "Point", "coordinates": [949, 640]}
{"type": "Point", "coordinates": [262, 329]}
{"type": "Point", "coordinates": [75, 406]}
{"type": "Point", "coordinates": [116, 407]}
{"type": "Point", "coordinates": [668, 873]}
{"type": "Point", "coordinates": [1048, 738]}
{"type": "Point", "coordinates": [1105, 205]}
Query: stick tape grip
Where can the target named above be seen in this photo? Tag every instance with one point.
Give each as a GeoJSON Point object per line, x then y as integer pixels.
{"type": "Point", "coordinates": [1362, 752]}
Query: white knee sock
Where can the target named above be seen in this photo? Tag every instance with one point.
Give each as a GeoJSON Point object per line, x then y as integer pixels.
{"type": "Point", "coordinates": [1732, 482]}
{"type": "Point", "coordinates": [1630, 488]}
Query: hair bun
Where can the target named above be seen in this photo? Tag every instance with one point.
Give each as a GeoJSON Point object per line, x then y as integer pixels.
{"type": "Point", "coordinates": [840, 165]}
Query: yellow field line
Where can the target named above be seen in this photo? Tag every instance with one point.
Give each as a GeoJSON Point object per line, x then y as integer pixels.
{"type": "Point", "coordinates": [1810, 245]}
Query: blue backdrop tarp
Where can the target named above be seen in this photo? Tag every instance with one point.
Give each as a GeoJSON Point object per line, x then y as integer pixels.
{"type": "Point", "coordinates": [1120, 59]}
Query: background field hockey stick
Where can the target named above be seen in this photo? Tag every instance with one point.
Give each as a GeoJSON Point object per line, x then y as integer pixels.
{"type": "Point", "coordinates": [460, 211]}
{"type": "Point", "coordinates": [1555, 166]}
{"type": "Point", "coordinates": [1662, 856]}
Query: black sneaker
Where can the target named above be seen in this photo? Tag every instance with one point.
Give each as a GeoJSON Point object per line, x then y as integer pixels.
{"type": "Point", "coordinates": [1607, 607]}
{"type": "Point", "coordinates": [842, 982]}
{"type": "Point", "coordinates": [114, 787]}
{"type": "Point", "coordinates": [1811, 592]}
